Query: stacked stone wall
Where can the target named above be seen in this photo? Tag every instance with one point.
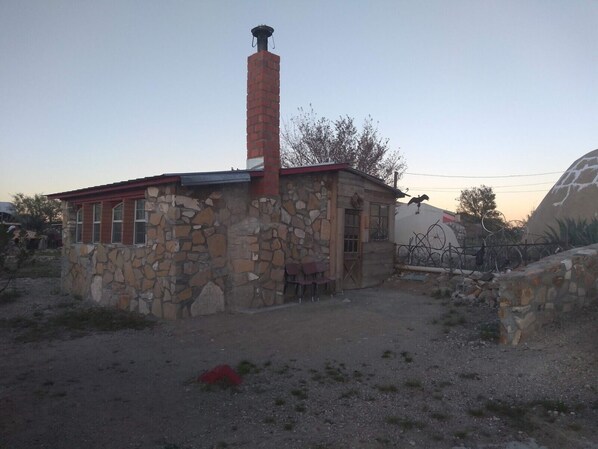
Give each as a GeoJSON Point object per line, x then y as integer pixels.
{"type": "Point", "coordinates": [208, 249]}
{"type": "Point", "coordinates": [201, 219]}
{"type": "Point", "coordinates": [294, 227]}
{"type": "Point", "coordinates": [256, 253]}
{"type": "Point", "coordinates": [545, 291]}
{"type": "Point", "coordinates": [131, 277]}
{"type": "Point", "coordinates": [306, 213]}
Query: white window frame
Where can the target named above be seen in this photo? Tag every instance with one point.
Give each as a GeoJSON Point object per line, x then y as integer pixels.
{"type": "Point", "coordinates": [96, 230]}
{"type": "Point", "coordinates": [118, 222]}
{"type": "Point", "coordinates": [139, 218]}
{"type": "Point", "coordinates": [79, 226]}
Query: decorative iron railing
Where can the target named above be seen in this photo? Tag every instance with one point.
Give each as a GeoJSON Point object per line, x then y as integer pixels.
{"type": "Point", "coordinates": [501, 250]}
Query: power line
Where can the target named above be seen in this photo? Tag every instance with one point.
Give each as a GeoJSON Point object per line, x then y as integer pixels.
{"type": "Point", "coordinates": [494, 187]}
{"type": "Point", "coordinates": [521, 191]}
{"type": "Point", "coordinates": [499, 192]}
{"type": "Point", "coordinates": [485, 177]}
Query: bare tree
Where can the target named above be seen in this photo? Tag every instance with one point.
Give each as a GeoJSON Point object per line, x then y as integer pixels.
{"type": "Point", "coordinates": [309, 140]}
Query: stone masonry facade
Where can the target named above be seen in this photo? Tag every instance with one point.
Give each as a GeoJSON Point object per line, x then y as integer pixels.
{"type": "Point", "coordinates": [546, 290]}
{"type": "Point", "coordinates": [209, 249]}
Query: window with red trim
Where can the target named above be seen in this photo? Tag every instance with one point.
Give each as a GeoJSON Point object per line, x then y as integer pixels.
{"type": "Point", "coordinates": [79, 226]}
{"type": "Point", "coordinates": [140, 222]}
{"type": "Point", "coordinates": [97, 222]}
{"type": "Point", "coordinates": [117, 223]}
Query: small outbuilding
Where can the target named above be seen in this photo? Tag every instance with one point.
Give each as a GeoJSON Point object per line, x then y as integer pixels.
{"type": "Point", "coordinates": [7, 213]}
{"type": "Point", "coordinates": [186, 244]}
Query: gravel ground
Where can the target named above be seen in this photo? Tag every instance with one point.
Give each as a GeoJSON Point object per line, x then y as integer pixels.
{"type": "Point", "coordinates": [388, 367]}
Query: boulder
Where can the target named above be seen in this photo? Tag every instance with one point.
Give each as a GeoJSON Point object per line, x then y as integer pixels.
{"type": "Point", "coordinates": [209, 301]}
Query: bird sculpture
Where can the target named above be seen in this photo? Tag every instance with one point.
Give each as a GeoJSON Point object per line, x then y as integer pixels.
{"type": "Point", "coordinates": [418, 200]}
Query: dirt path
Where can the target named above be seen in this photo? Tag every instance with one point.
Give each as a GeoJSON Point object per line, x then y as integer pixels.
{"type": "Point", "coordinates": [369, 369]}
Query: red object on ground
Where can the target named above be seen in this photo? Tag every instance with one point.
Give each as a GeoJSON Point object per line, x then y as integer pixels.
{"type": "Point", "coordinates": [219, 374]}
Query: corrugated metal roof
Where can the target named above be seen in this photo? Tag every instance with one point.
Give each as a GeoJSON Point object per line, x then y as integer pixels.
{"type": "Point", "coordinates": [338, 167]}
{"type": "Point", "coordinates": [115, 187]}
{"type": "Point", "coordinates": [228, 177]}
{"type": "Point", "coordinates": [210, 178]}
{"type": "Point", "coordinates": [329, 166]}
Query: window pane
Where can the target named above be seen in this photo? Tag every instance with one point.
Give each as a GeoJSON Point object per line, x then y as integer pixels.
{"type": "Point", "coordinates": [117, 212]}
{"type": "Point", "coordinates": [117, 232]}
{"type": "Point", "coordinates": [351, 234]}
{"type": "Point", "coordinates": [140, 210]}
{"type": "Point", "coordinates": [97, 214]}
{"type": "Point", "coordinates": [79, 225]}
{"type": "Point", "coordinates": [379, 221]}
{"type": "Point", "coordinates": [139, 232]}
{"type": "Point", "coordinates": [97, 211]}
{"type": "Point", "coordinates": [140, 219]}
{"type": "Point", "coordinates": [117, 217]}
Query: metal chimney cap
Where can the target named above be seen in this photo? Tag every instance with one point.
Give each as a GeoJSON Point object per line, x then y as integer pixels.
{"type": "Point", "coordinates": [262, 33]}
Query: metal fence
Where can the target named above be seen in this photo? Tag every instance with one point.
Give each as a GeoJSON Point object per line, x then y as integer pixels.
{"type": "Point", "coordinates": [497, 251]}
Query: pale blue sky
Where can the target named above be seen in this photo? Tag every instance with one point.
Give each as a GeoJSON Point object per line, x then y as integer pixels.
{"type": "Point", "coordinates": [93, 92]}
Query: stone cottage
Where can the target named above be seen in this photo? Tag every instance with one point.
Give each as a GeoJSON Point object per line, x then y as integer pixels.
{"type": "Point", "coordinates": [188, 244]}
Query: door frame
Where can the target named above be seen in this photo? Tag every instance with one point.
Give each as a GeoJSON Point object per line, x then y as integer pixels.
{"type": "Point", "coordinates": [351, 249]}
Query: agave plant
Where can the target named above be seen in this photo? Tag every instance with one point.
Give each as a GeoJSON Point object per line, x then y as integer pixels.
{"type": "Point", "coordinates": [573, 233]}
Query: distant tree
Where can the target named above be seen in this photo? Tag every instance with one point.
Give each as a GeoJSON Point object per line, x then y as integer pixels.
{"type": "Point", "coordinates": [36, 212]}
{"type": "Point", "coordinates": [13, 254]}
{"type": "Point", "coordinates": [477, 203]}
{"type": "Point", "coordinates": [309, 139]}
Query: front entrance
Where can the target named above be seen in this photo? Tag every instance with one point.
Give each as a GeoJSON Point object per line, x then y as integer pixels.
{"type": "Point", "coordinates": [352, 250]}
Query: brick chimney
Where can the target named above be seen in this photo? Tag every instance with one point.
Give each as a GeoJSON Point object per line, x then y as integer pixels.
{"type": "Point", "coordinates": [263, 114]}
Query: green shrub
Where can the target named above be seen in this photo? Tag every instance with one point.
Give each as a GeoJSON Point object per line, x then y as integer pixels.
{"type": "Point", "coordinates": [573, 233]}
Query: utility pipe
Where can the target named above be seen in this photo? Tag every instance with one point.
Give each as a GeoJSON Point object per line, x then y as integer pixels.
{"type": "Point", "coordinates": [437, 270]}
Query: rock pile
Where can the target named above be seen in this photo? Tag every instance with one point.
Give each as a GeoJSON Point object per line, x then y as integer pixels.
{"type": "Point", "coordinates": [476, 289]}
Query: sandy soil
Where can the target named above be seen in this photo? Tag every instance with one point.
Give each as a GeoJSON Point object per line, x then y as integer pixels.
{"type": "Point", "coordinates": [383, 367]}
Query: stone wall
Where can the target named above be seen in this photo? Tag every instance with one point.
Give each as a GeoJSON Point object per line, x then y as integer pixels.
{"type": "Point", "coordinates": [545, 291]}
{"type": "Point", "coordinates": [131, 277]}
{"type": "Point", "coordinates": [188, 228]}
{"type": "Point", "coordinates": [306, 213]}
{"type": "Point", "coordinates": [209, 249]}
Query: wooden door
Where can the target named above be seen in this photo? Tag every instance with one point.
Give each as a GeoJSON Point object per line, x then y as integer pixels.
{"type": "Point", "coordinates": [351, 250]}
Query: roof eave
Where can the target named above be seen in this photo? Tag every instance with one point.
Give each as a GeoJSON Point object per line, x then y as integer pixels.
{"type": "Point", "coordinates": [118, 187]}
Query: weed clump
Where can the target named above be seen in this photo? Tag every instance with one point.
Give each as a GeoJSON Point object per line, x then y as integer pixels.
{"type": "Point", "coordinates": [405, 423]}
{"type": "Point", "coordinates": [349, 394]}
{"type": "Point", "coordinates": [299, 394]}
{"type": "Point", "coordinates": [413, 383]}
{"type": "Point", "coordinates": [515, 413]}
{"type": "Point", "coordinates": [75, 322]}
{"type": "Point", "coordinates": [490, 331]}
{"type": "Point", "coordinates": [389, 388]}
{"type": "Point", "coordinates": [388, 354]}
{"type": "Point", "coordinates": [8, 296]}
{"type": "Point", "coordinates": [407, 358]}
{"type": "Point", "coordinates": [245, 367]}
